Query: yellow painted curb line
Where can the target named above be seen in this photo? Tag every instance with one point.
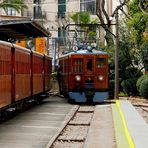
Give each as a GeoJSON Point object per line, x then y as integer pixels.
{"type": "Point", "coordinates": [123, 137]}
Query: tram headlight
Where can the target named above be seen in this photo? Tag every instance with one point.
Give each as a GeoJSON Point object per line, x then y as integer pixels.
{"type": "Point", "coordinates": [101, 78]}
{"type": "Point", "coordinates": [78, 78]}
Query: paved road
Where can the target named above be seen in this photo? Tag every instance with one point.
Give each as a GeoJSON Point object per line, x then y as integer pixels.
{"type": "Point", "coordinates": [35, 127]}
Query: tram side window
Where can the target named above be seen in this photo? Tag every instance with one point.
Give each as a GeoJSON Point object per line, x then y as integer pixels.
{"type": "Point", "coordinates": [101, 62]}
{"type": "Point", "coordinates": [77, 66]}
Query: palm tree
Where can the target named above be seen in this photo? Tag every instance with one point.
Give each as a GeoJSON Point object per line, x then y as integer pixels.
{"type": "Point", "coordinates": [15, 4]}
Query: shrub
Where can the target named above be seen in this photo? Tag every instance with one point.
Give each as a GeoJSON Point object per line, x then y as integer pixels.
{"type": "Point", "coordinates": [129, 86]}
{"type": "Point", "coordinates": [144, 88]}
{"type": "Point", "coordinates": [122, 94]}
{"type": "Point", "coordinates": [111, 89]}
{"type": "Point", "coordinates": [54, 75]}
{"type": "Point", "coordinates": [140, 81]}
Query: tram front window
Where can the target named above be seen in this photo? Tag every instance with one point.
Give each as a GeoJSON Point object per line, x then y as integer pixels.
{"type": "Point", "coordinates": [101, 62]}
{"type": "Point", "coordinates": [78, 66]}
{"type": "Point", "coordinates": [89, 65]}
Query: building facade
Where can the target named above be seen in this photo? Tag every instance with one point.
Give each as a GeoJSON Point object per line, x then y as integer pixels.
{"type": "Point", "coordinates": [54, 15]}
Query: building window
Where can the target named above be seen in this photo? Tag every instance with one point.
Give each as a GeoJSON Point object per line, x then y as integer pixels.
{"type": "Point", "coordinates": [88, 6]}
{"type": "Point", "coordinates": [61, 36]}
{"type": "Point", "coordinates": [37, 9]}
{"type": "Point", "coordinates": [61, 8]}
{"type": "Point", "coordinates": [11, 11]}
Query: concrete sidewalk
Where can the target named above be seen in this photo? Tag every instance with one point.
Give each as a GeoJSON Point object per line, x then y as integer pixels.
{"type": "Point", "coordinates": [101, 132]}
{"type": "Point", "coordinates": [137, 126]}
{"type": "Point", "coordinates": [35, 127]}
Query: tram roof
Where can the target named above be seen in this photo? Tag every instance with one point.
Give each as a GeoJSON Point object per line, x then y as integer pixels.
{"type": "Point", "coordinates": [21, 29]}
{"type": "Point", "coordinates": [85, 52]}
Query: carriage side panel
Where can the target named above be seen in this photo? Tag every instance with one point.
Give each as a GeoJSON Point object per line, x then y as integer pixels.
{"type": "Point", "coordinates": [47, 72]}
{"type": "Point", "coordinates": [5, 75]}
{"type": "Point", "coordinates": [65, 73]}
{"type": "Point", "coordinates": [101, 70]}
{"type": "Point", "coordinates": [76, 68]}
{"type": "Point", "coordinates": [22, 74]}
{"type": "Point", "coordinates": [37, 73]}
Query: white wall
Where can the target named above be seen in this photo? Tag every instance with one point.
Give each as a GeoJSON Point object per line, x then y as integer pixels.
{"type": "Point", "coordinates": [51, 9]}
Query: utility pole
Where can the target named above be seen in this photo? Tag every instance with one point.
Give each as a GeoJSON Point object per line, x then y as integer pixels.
{"type": "Point", "coordinates": [116, 58]}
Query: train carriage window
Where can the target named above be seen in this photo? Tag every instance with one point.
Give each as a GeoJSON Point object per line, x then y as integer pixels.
{"type": "Point", "coordinates": [101, 62]}
{"type": "Point", "coordinates": [77, 66]}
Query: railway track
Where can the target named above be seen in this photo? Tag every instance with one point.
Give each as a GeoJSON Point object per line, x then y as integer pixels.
{"type": "Point", "coordinates": [142, 108]}
{"type": "Point", "coordinates": [57, 124]}
{"type": "Point", "coordinates": [75, 131]}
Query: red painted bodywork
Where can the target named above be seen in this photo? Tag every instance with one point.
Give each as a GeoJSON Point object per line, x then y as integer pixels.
{"type": "Point", "coordinates": [23, 73]}
{"type": "Point", "coordinates": [47, 72]}
{"type": "Point", "coordinates": [68, 79]}
{"type": "Point", "coordinates": [5, 75]}
{"type": "Point", "coordinates": [37, 73]}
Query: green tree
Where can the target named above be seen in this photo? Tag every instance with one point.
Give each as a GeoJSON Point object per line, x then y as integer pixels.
{"type": "Point", "coordinates": [105, 19]}
{"type": "Point", "coordinates": [143, 4]}
{"type": "Point", "coordinates": [84, 18]}
{"type": "Point", "coordinates": [138, 24]}
{"type": "Point", "coordinates": [18, 5]}
{"type": "Point", "coordinates": [128, 60]}
{"type": "Point", "coordinates": [81, 17]}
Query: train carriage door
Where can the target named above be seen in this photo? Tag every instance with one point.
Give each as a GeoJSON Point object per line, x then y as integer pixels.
{"type": "Point", "coordinates": [89, 65]}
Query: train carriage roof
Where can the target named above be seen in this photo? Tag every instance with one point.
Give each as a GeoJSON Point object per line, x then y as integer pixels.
{"type": "Point", "coordinates": [81, 52]}
{"type": "Point", "coordinates": [21, 29]}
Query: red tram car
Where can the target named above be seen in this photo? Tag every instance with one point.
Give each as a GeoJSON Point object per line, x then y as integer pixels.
{"type": "Point", "coordinates": [84, 75]}
{"type": "Point", "coordinates": [24, 75]}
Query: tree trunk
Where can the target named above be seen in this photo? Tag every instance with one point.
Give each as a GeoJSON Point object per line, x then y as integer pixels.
{"type": "Point", "coordinates": [109, 38]}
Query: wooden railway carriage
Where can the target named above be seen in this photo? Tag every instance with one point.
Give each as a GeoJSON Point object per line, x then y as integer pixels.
{"type": "Point", "coordinates": [84, 75]}
{"type": "Point", "coordinates": [21, 65]}
{"type": "Point", "coordinates": [47, 72]}
{"type": "Point", "coordinates": [37, 73]}
{"type": "Point", "coordinates": [5, 75]}
{"type": "Point", "coordinates": [41, 70]}
{"type": "Point", "coordinates": [24, 75]}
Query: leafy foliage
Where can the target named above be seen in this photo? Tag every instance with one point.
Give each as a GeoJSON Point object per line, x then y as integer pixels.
{"type": "Point", "coordinates": [81, 17]}
{"type": "Point", "coordinates": [133, 48]}
{"type": "Point", "coordinates": [144, 88]}
{"type": "Point", "coordinates": [16, 4]}
{"type": "Point", "coordinates": [128, 61]}
{"type": "Point", "coordinates": [84, 18]}
{"type": "Point", "coordinates": [144, 54]}
{"type": "Point", "coordinates": [138, 21]}
{"type": "Point", "coordinates": [129, 86]}
{"type": "Point", "coordinates": [139, 81]}
{"type": "Point", "coordinates": [143, 4]}
{"type": "Point", "coordinates": [138, 24]}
